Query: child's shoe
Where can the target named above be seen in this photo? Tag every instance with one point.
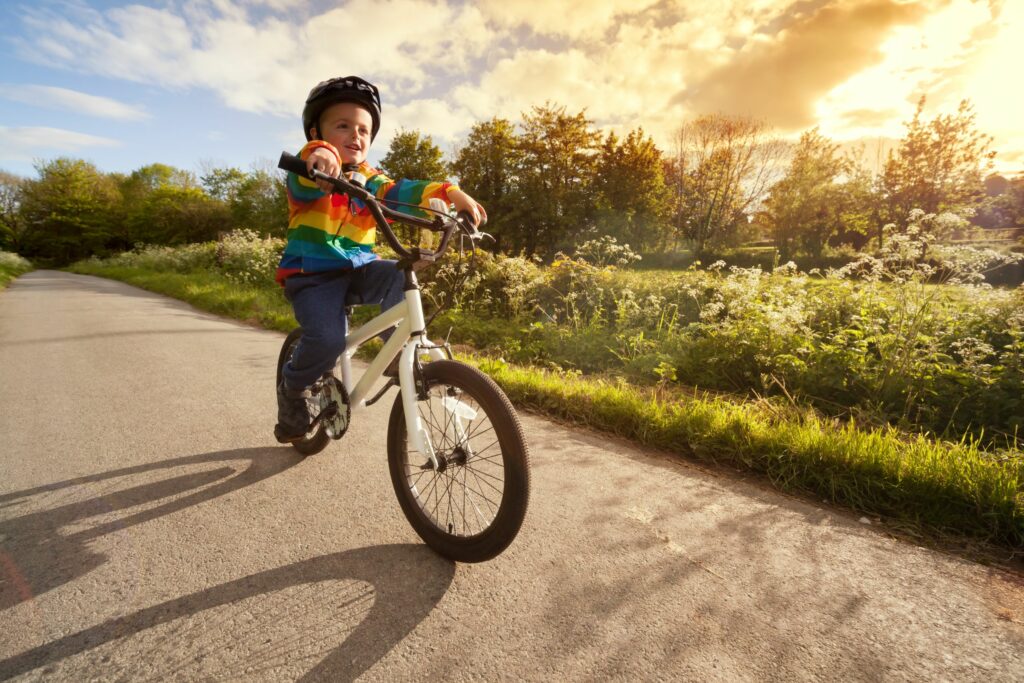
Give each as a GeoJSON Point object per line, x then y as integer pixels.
{"type": "Point", "coordinates": [293, 414]}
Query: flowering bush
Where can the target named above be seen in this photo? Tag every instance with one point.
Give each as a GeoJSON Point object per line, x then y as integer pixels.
{"type": "Point", "coordinates": [247, 258]}
{"type": "Point", "coordinates": [606, 251]}
{"type": "Point", "coordinates": [11, 266]}
{"type": "Point", "coordinates": [12, 261]}
{"type": "Point", "coordinates": [908, 335]}
{"type": "Point", "coordinates": [181, 259]}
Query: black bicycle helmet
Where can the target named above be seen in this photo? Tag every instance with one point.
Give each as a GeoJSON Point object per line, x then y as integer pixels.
{"type": "Point", "coordinates": [343, 89]}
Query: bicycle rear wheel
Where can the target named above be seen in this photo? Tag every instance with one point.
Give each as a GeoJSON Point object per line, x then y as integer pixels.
{"type": "Point", "coordinates": [472, 506]}
{"type": "Point", "coordinates": [316, 440]}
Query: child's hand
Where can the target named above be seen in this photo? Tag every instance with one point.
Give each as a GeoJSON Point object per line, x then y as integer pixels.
{"type": "Point", "coordinates": [463, 202]}
{"type": "Point", "coordinates": [325, 161]}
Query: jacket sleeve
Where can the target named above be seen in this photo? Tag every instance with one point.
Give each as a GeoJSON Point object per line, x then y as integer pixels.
{"type": "Point", "coordinates": [418, 192]}
{"type": "Point", "coordinates": [302, 191]}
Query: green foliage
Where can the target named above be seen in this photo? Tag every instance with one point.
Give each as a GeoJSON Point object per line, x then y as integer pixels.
{"type": "Point", "coordinates": [606, 251]}
{"type": "Point", "coordinates": [11, 266]}
{"type": "Point", "coordinates": [414, 156]}
{"type": "Point", "coordinates": [260, 203]}
{"type": "Point", "coordinates": [171, 214]}
{"type": "Point", "coordinates": [223, 184]}
{"type": "Point", "coordinates": [632, 197]}
{"type": "Point", "coordinates": [1003, 207]}
{"type": "Point", "coordinates": [10, 218]}
{"type": "Point", "coordinates": [245, 257]}
{"type": "Point", "coordinates": [881, 338]}
{"type": "Point", "coordinates": [943, 487]}
{"type": "Point", "coordinates": [938, 165]}
{"type": "Point", "coordinates": [189, 258]}
{"type": "Point", "coordinates": [69, 212]}
{"type": "Point", "coordinates": [722, 166]}
{"type": "Point", "coordinates": [819, 197]}
{"type": "Point", "coordinates": [557, 162]}
{"type": "Point", "coordinates": [486, 169]}
{"type": "Point", "coordinates": [831, 328]}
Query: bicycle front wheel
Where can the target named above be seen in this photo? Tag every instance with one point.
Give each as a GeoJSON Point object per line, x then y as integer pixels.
{"type": "Point", "coordinates": [471, 507]}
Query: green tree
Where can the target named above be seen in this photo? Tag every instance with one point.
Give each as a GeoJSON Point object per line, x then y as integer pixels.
{"type": "Point", "coordinates": [486, 166]}
{"type": "Point", "coordinates": [938, 165]}
{"type": "Point", "coordinates": [557, 162]}
{"type": "Point", "coordinates": [414, 156]}
{"type": "Point", "coordinates": [10, 219]}
{"type": "Point", "coordinates": [171, 214]}
{"type": "Point", "coordinates": [223, 184]}
{"type": "Point", "coordinates": [69, 212]}
{"type": "Point", "coordinates": [1003, 207]}
{"type": "Point", "coordinates": [816, 200]}
{"type": "Point", "coordinates": [633, 197]}
{"type": "Point", "coordinates": [167, 205]}
{"type": "Point", "coordinates": [261, 203]}
{"type": "Point", "coordinates": [725, 165]}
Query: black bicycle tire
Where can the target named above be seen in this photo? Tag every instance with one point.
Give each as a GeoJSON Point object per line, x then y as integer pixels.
{"type": "Point", "coordinates": [311, 445]}
{"type": "Point", "coordinates": [508, 520]}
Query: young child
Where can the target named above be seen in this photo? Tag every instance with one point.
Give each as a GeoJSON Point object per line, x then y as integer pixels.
{"type": "Point", "coordinates": [331, 238]}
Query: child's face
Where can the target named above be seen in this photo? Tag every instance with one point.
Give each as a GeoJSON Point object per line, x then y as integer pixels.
{"type": "Point", "coordinates": [347, 126]}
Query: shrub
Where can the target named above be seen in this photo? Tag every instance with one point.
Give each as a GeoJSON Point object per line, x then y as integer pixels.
{"type": "Point", "coordinates": [11, 266]}
{"type": "Point", "coordinates": [183, 259]}
{"type": "Point", "coordinates": [247, 258]}
{"type": "Point", "coordinates": [606, 251]}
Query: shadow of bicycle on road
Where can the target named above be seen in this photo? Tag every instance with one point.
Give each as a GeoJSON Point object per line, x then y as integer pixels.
{"type": "Point", "coordinates": [385, 592]}
{"type": "Point", "coordinates": [330, 617]}
{"type": "Point", "coordinates": [49, 546]}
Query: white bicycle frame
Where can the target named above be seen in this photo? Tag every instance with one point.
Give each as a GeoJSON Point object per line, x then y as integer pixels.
{"type": "Point", "coordinates": [410, 335]}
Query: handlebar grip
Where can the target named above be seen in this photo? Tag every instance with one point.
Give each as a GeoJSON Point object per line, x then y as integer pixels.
{"type": "Point", "coordinates": [466, 218]}
{"type": "Point", "coordinates": [293, 164]}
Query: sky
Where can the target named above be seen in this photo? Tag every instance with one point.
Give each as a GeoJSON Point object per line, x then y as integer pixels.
{"type": "Point", "coordinates": [206, 83]}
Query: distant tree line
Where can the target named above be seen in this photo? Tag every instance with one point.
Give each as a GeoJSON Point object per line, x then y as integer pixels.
{"type": "Point", "coordinates": [552, 181]}
{"type": "Point", "coordinates": [73, 210]}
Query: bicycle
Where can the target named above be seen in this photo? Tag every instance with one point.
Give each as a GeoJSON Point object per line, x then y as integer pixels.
{"type": "Point", "coordinates": [458, 459]}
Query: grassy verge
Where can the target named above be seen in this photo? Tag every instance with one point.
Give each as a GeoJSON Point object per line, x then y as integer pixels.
{"type": "Point", "coordinates": [8, 272]}
{"type": "Point", "coordinates": [938, 488]}
{"type": "Point", "coordinates": [209, 291]}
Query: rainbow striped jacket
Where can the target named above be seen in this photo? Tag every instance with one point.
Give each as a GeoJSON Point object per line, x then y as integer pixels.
{"type": "Point", "coordinates": [333, 232]}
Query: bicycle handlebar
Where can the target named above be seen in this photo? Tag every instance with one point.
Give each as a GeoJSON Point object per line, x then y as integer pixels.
{"type": "Point", "coordinates": [447, 225]}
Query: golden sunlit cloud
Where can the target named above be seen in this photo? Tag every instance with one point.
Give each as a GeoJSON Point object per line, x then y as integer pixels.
{"type": "Point", "coordinates": [780, 78]}
{"type": "Point", "coordinates": [856, 68]}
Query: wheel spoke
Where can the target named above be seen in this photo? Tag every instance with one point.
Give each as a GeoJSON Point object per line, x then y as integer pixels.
{"type": "Point", "coordinates": [477, 432]}
{"type": "Point", "coordinates": [477, 456]}
{"type": "Point", "coordinates": [481, 495]}
{"type": "Point", "coordinates": [486, 474]}
{"type": "Point", "coordinates": [467, 425]}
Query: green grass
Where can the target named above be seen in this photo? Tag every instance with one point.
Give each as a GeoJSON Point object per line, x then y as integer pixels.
{"type": "Point", "coordinates": [209, 291]}
{"type": "Point", "coordinates": [935, 487]}
{"type": "Point", "coordinates": [941, 487]}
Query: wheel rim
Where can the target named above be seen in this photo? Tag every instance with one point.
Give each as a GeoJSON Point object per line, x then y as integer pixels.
{"type": "Point", "coordinates": [463, 496]}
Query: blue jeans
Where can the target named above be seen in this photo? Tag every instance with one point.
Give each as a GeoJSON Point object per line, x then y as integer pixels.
{"type": "Point", "coordinates": [319, 304]}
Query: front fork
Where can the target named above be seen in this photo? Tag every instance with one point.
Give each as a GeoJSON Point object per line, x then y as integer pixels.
{"type": "Point", "coordinates": [418, 435]}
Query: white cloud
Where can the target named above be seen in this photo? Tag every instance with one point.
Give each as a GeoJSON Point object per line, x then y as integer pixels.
{"type": "Point", "coordinates": [27, 143]}
{"type": "Point", "coordinates": [433, 117]}
{"type": "Point", "coordinates": [443, 65]}
{"type": "Point", "coordinates": [265, 64]}
{"type": "Point", "coordinates": [72, 101]}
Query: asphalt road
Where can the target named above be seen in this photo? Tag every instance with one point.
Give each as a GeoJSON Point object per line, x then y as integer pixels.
{"type": "Point", "coordinates": [151, 529]}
